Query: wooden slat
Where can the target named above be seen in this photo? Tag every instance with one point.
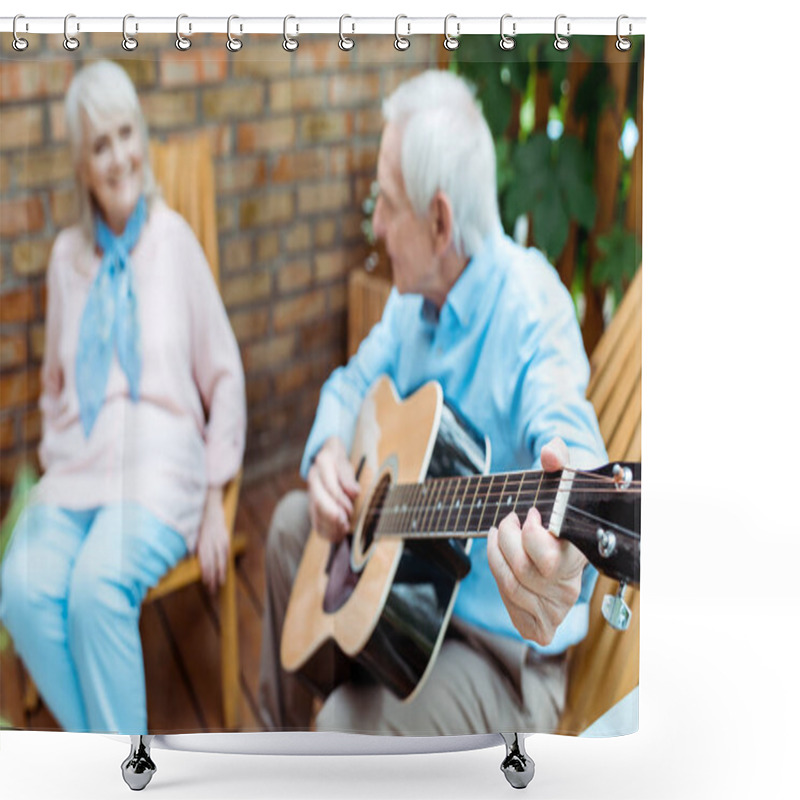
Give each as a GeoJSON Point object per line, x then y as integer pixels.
{"type": "Point", "coordinates": [622, 353]}
{"type": "Point", "coordinates": [187, 572]}
{"type": "Point", "coordinates": [618, 404]}
{"type": "Point", "coordinates": [367, 296]}
{"type": "Point", "coordinates": [631, 303]}
{"type": "Point", "coordinates": [604, 667]}
{"type": "Point", "coordinates": [196, 636]}
{"type": "Point", "coordinates": [171, 708]}
{"type": "Point", "coordinates": [620, 443]}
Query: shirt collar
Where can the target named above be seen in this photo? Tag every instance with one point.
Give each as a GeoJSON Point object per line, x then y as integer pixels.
{"type": "Point", "coordinates": [475, 286]}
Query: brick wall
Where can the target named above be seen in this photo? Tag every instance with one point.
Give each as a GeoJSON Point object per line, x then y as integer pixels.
{"type": "Point", "coordinates": [296, 139]}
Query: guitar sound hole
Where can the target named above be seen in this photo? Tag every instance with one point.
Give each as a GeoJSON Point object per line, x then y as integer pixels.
{"type": "Point", "coordinates": [373, 515]}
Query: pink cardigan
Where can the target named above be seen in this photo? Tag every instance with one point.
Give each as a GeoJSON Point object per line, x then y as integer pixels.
{"type": "Point", "coordinates": [187, 431]}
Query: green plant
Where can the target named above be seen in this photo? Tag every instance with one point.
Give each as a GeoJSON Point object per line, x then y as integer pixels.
{"type": "Point", "coordinates": [565, 184]}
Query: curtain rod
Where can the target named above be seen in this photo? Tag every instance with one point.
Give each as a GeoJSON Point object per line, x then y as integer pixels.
{"type": "Point", "coordinates": [299, 25]}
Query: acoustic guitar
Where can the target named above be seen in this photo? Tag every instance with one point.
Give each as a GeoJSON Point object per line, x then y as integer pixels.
{"type": "Point", "coordinates": [382, 598]}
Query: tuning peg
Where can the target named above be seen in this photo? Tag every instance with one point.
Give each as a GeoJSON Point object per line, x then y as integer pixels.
{"type": "Point", "coordinates": [615, 610]}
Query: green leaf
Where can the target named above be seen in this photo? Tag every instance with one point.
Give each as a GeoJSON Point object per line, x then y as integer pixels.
{"type": "Point", "coordinates": [550, 223]}
{"type": "Point", "coordinates": [620, 256]}
{"type": "Point", "coordinates": [575, 175]}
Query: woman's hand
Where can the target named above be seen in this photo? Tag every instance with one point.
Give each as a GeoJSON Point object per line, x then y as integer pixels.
{"type": "Point", "coordinates": [213, 544]}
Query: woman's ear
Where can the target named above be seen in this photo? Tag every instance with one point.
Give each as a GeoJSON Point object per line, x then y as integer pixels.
{"type": "Point", "coordinates": [441, 217]}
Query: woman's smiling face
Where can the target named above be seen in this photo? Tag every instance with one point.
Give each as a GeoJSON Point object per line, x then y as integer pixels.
{"type": "Point", "coordinates": [113, 166]}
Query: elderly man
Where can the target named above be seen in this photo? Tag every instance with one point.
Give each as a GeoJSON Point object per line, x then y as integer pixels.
{"type": "Point", "coordinates": [492, 323]}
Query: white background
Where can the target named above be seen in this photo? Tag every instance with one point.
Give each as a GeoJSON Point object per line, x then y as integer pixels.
{"type": "Point", "coordinates": [719, 689]}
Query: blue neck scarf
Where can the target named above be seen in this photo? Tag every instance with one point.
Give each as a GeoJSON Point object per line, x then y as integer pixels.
{"type": "Point", "coordinates": [109, 319]}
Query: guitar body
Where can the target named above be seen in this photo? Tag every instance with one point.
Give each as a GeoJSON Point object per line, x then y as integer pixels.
{"type": "Point", "coordinates": [384, 603]}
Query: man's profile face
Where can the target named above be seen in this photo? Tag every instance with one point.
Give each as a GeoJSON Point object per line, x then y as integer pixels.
{"type": "Point", "coordinates": [408, 238]}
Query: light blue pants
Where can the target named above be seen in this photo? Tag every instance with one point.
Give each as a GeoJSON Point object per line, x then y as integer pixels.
{"type": "Point", "coordinates": [71, 589]}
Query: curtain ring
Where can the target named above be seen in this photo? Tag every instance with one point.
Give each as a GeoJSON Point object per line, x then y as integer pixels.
{"type": "Point", "coordinates": [181, 42]}
{"type": "Point", "coordinates": [344, 42]}
{"type": "Point", "coordinates": [507, 42]}
{"type": "Point", "coordinates": [623, 44]}
{"type": "Point", "coordinates": [70, 42]}
{"type": "Point", "coordinates": [450, 42]}
{"type": "Point", "coordinates": [401, 42]}
{"type": "Point", "coordinates": [128, 42]}
{"type": "Point", "coordinates": [233, 44]}
{"type": "Point", "coordinates": [19, 44]}
{"type": "Point", "coordinates": [560, 42]}
{"type": "Point", "coordinates": [290, 43]}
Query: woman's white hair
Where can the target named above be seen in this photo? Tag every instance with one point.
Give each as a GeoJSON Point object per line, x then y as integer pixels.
{"type": "Point", "coordinates": [447, 146]}
{"type": "Point", "coordinates": [98, 91]}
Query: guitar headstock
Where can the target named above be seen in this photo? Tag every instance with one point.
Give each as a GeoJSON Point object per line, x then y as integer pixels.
{"type": "Point", "coordinates": [603, 519]}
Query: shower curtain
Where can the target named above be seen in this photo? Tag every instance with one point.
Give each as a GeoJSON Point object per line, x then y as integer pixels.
{"type": "Point", "coordinates": [343, 286]}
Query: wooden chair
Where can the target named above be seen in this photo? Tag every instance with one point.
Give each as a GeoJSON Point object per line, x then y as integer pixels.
{"type": "Point", "coordinates": [184, 169]}
{"type": "Point", "coordinates": [604, 667]}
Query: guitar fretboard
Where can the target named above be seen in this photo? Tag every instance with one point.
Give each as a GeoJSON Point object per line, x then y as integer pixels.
{"type": "Point", "coordinates": [467, 506]}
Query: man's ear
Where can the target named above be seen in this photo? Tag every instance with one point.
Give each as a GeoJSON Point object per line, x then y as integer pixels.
{"type": "Point", "coordinates": [441, 218]}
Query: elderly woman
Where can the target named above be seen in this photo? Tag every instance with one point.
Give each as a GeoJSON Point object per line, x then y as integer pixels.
{"type": "Point", "coordinates": [143, 417]}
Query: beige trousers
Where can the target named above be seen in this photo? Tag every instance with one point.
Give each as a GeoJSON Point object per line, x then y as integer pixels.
{"type": "Point", "coordinates": [480, 682]}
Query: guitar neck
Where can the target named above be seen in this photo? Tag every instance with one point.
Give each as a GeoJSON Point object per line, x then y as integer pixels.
{"type": "Point", "coordinates": [596, 511]}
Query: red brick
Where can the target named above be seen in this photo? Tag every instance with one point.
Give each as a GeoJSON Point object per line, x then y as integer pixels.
{"type": "Point", "coordinates": [43, 168]}
{"type": "Point", "coordinates": [369, 122]}
{"type": "Point", "coordinates": [36, 336]}
{"type": "Point", "coordinates": [13, 350]}
{"type": "Point", "coordinates": [7, 435]}
{"type": "Point", "coordinates": [268, 353]}
{"type": "Point", "coordinates": [333, 265]}
{"type": "Point", "coordinates": [298, 94]}
{"type": "Point", "coordinates": [266, 210]}
{"type": "Point", "coordinates": [295, 275]}
{"type": "Point", "coordinates": [21, 216]}
{"type": "Point", "coordinates": [324, 232]}
{"type": "Point", "coordinates": [246, 289]}
{"type": "Point", "coordinates": [291, 167]}
{"type": "Point", "coordinates": [298, 238]}
{"type": "Point", "coordinates": [169, 109]}
{"type": "Point", "coordinates": [236, 255]}
{"type": "Point", "coordinates": [305, 308]}
{"type": "Point", "coordinates": [233, 102]}
{"type": "Point", "coordinates": [31, 257]}
{"type": "Point", "coordinates": [354, 89]}
{"type": "Point", "coordinates": [250, 324]}
{"type": "Point", "coordinates": [21, 127]}
{"type": "Point", "coordinates": [198, 66]}
{"type": "Point", "coordinates": [268, 247]}
{"type": "Point", "coordinates": [64, 207]}
{"type": "Point", "coordinates": [18, 305]}
{"type": "Point", "coordinates": [240, 175]}
{"type": "Point", "coordinates": [33, 79]}
{"type": "Point", "coordinates": [331, 196]}
{"type": "Point", "coordinates": [19, 388]}
{"type": "Point", "coordinates": [262, 61]}
{"type": "Point", "coordinates": [32, 427]}
{"type": "Point", "coordinates": [268, 136]}
{"type": "Point", "coordinates": [320, 53]}
{"type": "Point", "coordinates": [292, 378]}
{"type": "Point", "coordinates": [326, 126]}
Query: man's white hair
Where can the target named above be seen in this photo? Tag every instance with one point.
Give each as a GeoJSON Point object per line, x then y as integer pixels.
{"type": "Point", "coordinates": [447, 146]}
{"type": "Point", "coordinates": [99, 91]}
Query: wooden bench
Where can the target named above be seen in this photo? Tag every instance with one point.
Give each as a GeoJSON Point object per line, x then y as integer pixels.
{"type": "Point", "coordinates": [604, 667]}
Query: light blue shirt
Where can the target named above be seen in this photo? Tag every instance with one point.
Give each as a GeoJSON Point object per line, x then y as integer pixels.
{"type": "Point", "coordinates": [507, 350]}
